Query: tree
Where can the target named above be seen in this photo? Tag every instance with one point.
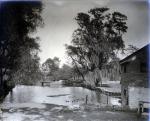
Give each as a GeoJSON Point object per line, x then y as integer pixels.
{"type": "Point", "coordinates": [29, 72]}
{"type": "Point", "coordinates": [51, 67]}
{"type": "Point", "coordinates": [97, 39]}
{"type": "Point", "coordinates": [130, 49]}
{"type": "Point", "coordinates": [17, 21]}
{"type": "Point", "coordinates": [65, 72]}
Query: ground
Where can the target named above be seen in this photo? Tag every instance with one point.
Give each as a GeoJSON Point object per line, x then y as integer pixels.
{"type": "Point", "coordinates": [50, 112]}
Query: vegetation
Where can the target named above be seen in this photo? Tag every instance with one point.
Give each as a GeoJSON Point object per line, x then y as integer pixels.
{"type": "Point", "coordinates": [29, 72]}
{"type": "Point", "coordinates": [65, 72]}
{"type": "Point", "coordinates": [53, 72]}
{"type": "Point", "coordinates": [130, 49]}
{"type": "Point", "coordinates": [17, 21]}
{"type": "Point", "coordinates": [50, 68]}
{"type": "Point", "coordinates": [97, 39]}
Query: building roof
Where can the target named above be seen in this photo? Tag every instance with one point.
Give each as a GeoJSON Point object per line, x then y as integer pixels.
{"type": "Point", "coordinates": [135, 53]}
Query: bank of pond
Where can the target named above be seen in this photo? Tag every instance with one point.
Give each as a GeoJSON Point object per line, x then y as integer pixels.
{"type": "Point", "coordinates": [59, 93]}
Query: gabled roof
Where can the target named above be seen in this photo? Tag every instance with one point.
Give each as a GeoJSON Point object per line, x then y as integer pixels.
{"type": "Point", "coordinates": [135, 53]}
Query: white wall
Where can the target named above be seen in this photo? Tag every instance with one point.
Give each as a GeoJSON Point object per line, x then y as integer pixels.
{"type": "Point", "coordinates": [137, 94]}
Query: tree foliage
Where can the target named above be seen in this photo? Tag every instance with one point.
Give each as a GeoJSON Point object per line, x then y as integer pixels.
{"type": "Point", "coordinates": [65, 72]}
{"type": "Point", "coordinates": [51, 67]}
{"type": "Point", "coordinates": [29, 72]}
{"type": "Point", "coordinates": [130, 49]}
{"type": "Point", "coordinates": [97, 39]}
{"type": "Point", "coordinates": [17, 21]}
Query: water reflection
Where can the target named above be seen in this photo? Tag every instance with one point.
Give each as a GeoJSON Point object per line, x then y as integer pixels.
{"type": "Point", "coordinates": [20, 94]}
{"type": "Point", "coordinates": [59, 95]}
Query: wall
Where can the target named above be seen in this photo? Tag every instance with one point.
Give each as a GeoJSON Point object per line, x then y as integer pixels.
{"type": "Point", "coordinates": [137, 94]}
{"type": "Point", "coordinates": [133, 63]}
{"type": "Point", "coordinates": [133, 76]}
{"type": "Point", "coordinates": [134, 79]}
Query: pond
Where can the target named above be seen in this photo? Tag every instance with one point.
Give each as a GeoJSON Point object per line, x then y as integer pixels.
{"type": "Point", "coordinates": [59, 103]}
{"type": "Point", "coordinates": [58, 95]}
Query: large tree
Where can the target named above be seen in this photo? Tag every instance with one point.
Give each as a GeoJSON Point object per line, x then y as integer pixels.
{"type": "Point", "coordinates": [29, 72]}
{"type": "Point", "coordinates": [18, 19]}
{"type": "Point", "coordinates": [97, 39]}
{"type": "Point", "coordinates": [51, 67]}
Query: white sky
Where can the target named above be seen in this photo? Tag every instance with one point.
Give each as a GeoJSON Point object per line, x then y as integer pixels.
{"type": "Point", "coordinates": [58, 16]}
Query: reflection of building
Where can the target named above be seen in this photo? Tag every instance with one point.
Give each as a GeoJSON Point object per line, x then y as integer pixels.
{"type": "Point", "coordinates": [134, 78]}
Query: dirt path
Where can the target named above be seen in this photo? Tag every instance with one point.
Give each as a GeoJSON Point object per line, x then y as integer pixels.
{"type": "Point", "coordinates": [60, 113]}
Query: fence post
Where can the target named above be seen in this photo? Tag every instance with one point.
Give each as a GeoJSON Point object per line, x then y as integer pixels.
{"type": "Point", "coordinates": [42, 83]}
{"type": "Point", "coordinates": [107, 99]}
{"type": "Point", "coordinates": [86, 99]}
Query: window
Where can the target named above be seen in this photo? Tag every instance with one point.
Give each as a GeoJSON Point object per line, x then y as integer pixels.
{"type": "Point", "coordinates": [125, 69]}
{"type": "Point", "coordinates": [143, 67]}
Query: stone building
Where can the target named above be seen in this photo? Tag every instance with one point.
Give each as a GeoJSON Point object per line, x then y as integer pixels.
{"type": "Point", "coordinates": [134, 78]}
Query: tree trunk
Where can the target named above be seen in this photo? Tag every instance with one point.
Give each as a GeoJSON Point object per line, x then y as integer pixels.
{"type": "Point", "coordinates": [1, 77]}
{"type": "Point", "coordinates": [78, 69]}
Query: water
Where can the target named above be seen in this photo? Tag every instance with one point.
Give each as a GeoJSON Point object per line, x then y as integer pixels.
{"type": "Point", "coordinates": [56, 94]}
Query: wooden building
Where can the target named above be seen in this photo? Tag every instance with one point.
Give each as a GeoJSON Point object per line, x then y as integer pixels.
{"type": "Point", "coordinates": [134, 78]}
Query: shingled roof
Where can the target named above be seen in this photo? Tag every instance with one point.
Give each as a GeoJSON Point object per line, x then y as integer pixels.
{"type": "Point", "coordinates": [145, 48]}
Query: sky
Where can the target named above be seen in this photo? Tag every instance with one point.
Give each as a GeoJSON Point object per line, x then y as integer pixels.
{"type": "Point", "coordinates": [58, 16]}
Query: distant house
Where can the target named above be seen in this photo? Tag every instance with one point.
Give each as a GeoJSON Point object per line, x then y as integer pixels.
{"type": "Point", "coordinates": [134, 78]}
